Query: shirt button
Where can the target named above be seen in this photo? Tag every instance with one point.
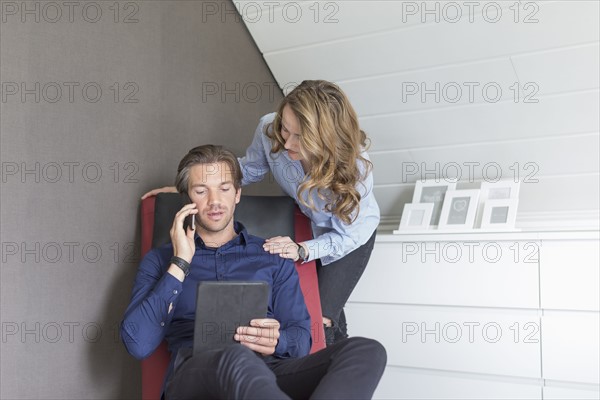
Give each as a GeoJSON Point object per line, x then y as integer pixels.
{"type": "Point", "coordinates": [175, 291]}
{"type": "Point", "coordinates": [162, 324]}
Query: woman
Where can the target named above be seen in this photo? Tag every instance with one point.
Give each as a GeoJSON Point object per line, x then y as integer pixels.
{"type": "Point", "coordinates": [317, 153]}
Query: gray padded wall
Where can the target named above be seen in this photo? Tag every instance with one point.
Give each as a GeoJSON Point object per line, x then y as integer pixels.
{"type": "Point", "coordinates": [75, 162]}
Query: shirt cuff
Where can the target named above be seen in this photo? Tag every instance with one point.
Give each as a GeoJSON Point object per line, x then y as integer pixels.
{"type": "Point", "coordinates": [168, 288]}
{"type": "Point", "coordinates": [282, 344]}
{"type": "Point", "coordinates": [319, 250]}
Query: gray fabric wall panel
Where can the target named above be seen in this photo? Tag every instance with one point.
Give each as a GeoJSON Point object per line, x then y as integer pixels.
{"type": "Point", "coordinates": [70, 228]}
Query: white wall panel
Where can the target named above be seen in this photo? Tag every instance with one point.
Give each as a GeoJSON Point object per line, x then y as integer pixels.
{"type": "Point", "coordinates": [560, 24]}
{"type": "Point", "coordinates": [569, 275]}
{"type": "Point", "coordinates": [556, 193]}
{"type": "Point", "coordinates": [477, 273]}
{"type": "Point", "coordinates": [488, 81]}
{"type": "Point", "coordinates": [400, 383]}
{"type": "Point", "coordinates": [332, 20]}
{"type": "Point", "coordinates": [570, 348]}
{"type": "Point", "coordinates": [391, 198]}
{"type": "Point", "coordinates": [302, 23]}
{"type": "Point", "coordinates": [560, 70]}
{"type": "Point", "coordinates": [491, 161]}
{"type": "Point", "coordinates": [453, 339]}
{"type": "Point", "coordinates": [553, 115]}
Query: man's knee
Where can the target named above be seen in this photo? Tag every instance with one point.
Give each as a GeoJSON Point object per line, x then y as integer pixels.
{"type": "Point", "coordinates": [371, 349]}
{"type": "Point", "coordinates": [219, 361]}
{"type": "Point", "coordinates": [232, 355]}
{"type": "Point", "coordinates": [241, 373]}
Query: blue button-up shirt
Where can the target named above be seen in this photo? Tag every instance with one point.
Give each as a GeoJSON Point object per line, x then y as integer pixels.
{"type": "Point", "coordinates": [333, 239]}
{"type": "Point", "coordinates": [148, 321]}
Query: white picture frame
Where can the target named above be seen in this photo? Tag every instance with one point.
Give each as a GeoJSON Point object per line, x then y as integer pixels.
{"type": "Point", "coordinates": [433, 191]}
{"type": "Point", "coordinates": [503, 189]}
{"type": "Point", "coordinates": [459, 210]}
{"type": "Point", "coordinates": [500, 214]}
{"type": "Point", "coordinates": [415, 217]}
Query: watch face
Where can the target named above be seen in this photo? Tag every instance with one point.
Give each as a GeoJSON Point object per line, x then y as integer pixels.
{"type": "Point", "coordinates": [302, 253]}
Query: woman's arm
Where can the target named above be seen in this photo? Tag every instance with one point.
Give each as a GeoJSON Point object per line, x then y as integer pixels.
{"type": "Point", "coordinates": [335, 239]}
{"type": "Point", "coordinates": [255, 164]}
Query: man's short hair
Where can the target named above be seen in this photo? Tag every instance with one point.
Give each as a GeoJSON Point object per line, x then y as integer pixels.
{"type": "Point", "coordinates": [207, 154]}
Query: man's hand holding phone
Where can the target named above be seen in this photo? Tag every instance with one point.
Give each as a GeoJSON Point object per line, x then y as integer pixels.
{"type": "Point", "coordinates": [183, 238]}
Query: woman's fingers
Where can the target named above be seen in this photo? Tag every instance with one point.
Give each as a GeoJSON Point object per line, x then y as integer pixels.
{"type": "Point", "coordinates": [165, 189]}
{"type": "Point", "coordinates": [284, 246]}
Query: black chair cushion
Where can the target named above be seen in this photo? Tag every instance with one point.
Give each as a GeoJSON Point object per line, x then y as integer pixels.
{"type": "Point", "coordinates": [263, 216]}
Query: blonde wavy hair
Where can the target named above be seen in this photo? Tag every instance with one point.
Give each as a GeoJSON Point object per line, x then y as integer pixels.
{"type": "Point", "coordinates": [331, 143]}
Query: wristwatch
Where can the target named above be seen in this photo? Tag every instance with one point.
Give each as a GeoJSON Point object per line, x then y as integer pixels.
{"type": "Point", "coordinates": [302, 252]}
{"type": "Point", "coordinates": [182, 264]}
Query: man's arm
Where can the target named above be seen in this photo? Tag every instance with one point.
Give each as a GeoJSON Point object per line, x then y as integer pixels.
{"type": "Point", "coordinates": [150, 310]}
{"type": "Point", "coordinates": [156, 292]}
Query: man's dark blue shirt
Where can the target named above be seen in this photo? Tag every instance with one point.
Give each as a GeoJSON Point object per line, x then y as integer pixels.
{"type": "Point", "coordinates": [148, 321]}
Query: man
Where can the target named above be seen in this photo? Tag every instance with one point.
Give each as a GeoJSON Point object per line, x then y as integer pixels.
{"type": "Point", "coordinates": [271, 361]}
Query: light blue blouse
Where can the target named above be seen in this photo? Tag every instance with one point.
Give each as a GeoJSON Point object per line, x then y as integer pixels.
{"type": "Point", "coordinates": [333, 239]}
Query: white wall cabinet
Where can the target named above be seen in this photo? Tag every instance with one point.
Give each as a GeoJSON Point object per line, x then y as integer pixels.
{"type": "Point", "coordinates": [400, 383]}
{"type": "Point", "coordinates": [465, 273]}
{"type": "Point", "coordinates": [569, 275]}
{"type": "Point", "coordinates": [505, 315]}
{"type": "Point", "coordinates": [570, 347]}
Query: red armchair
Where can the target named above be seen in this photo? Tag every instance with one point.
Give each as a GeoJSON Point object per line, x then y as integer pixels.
{"type": "Point", "coordinates": [263, 216]}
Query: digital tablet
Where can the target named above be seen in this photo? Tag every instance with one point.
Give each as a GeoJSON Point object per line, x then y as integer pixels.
{"type": "Point", "coordinates": [221, 307]}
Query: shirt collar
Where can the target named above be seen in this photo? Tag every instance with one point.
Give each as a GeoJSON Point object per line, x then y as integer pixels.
{"type": "Point", "coordinates": [240, 239]}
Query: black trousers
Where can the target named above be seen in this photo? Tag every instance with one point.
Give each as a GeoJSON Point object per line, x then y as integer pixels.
{"type": "Point", "coordinates": [336, 283]}
{"type": "Point", "coordinates": [349, 369]}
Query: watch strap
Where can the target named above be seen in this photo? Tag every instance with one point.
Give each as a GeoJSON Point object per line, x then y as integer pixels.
{"type": "Point", "coordinates": [182, 264]}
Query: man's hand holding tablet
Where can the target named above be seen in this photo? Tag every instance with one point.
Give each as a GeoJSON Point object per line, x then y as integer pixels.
{"type": "Point", "coordinates": [261, 336]}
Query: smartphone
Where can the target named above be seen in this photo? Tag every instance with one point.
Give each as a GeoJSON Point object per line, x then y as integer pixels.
{"type": "Point", "coordinates": [190, 219]}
